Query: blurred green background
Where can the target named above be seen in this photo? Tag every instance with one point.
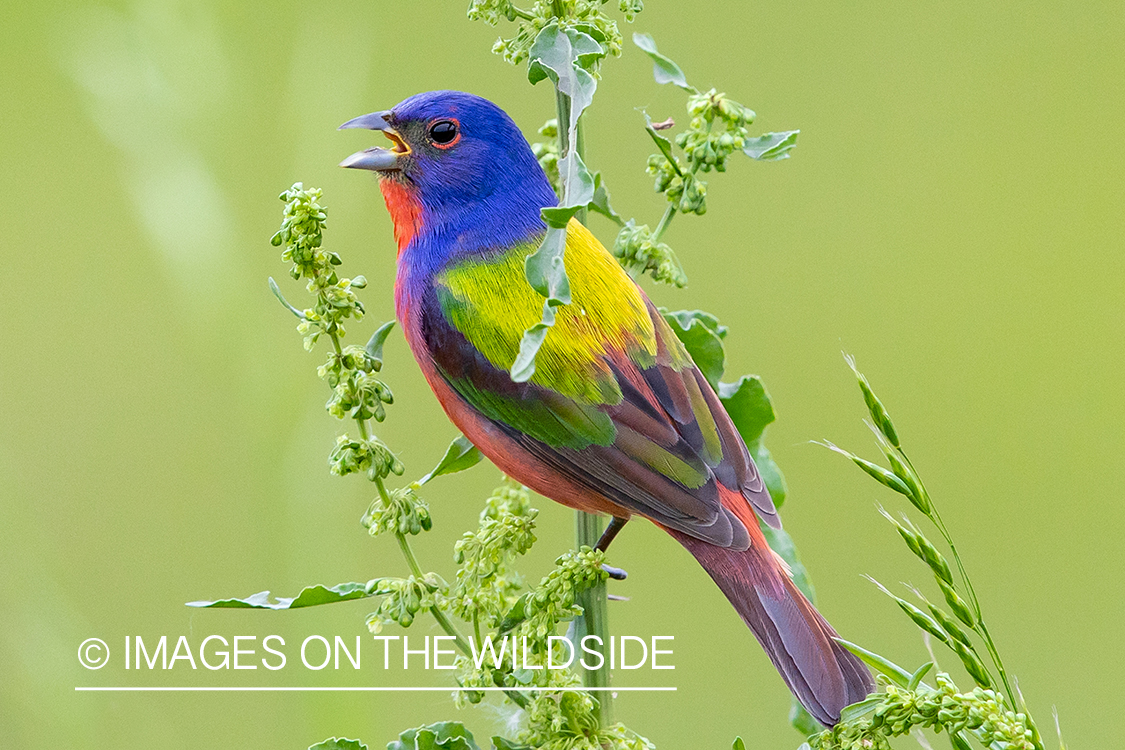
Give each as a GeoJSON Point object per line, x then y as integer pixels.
{"type": "Point", "coordinates": [953, 216]}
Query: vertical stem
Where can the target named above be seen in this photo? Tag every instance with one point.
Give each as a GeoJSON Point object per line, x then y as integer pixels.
{"type": "Point", "coordinates": [595, 618]}
{"type": "Point", "coordinates": [665, 220]}
{"type": "Point", "coordinates": [587, 527]}
{"type": "Point", "coordinates": [562, 110]}
{"type": "Point", "coordinates": [580, 149]}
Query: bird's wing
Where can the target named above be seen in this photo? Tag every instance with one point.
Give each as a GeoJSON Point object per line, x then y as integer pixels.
{"type": "Point", "coordinates": [615, 403]}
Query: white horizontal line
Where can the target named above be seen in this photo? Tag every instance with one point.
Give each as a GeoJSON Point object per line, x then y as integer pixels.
{"type": "Point", "coordinates": [368, 689]}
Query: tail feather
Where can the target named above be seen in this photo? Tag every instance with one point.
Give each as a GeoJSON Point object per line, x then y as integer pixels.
{"type": "Point", "coordinates": [824, 676]}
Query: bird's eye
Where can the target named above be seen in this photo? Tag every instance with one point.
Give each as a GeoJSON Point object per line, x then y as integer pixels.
{"type": "Point", "coordinates": [443, 132]}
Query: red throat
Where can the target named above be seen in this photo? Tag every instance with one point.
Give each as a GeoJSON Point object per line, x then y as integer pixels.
{"type": "Point", "coordinates": [405, 210]}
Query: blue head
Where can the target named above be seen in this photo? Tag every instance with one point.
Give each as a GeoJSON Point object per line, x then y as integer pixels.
{"type": "Point", "coordinates": [458, 168]}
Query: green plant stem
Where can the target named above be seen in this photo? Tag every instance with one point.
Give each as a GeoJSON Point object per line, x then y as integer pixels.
{"type": "Point", "coordinates": [595, 614]}
{"type": "Point", "coordinates": [521, 13]}
{"type": "Point", "coordinates": [336, 342]}
{"type": "Point", "coordinates": [595, 617]}
{"type": "Point", "coordinates": [665, 220]}
{"type": "Point", "coordinates": [580, 149]}
{"type": "Point", "coordinates": [562, 109]}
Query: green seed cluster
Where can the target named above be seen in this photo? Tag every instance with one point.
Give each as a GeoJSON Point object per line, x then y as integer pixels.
{"type": "Point", "coordinates": [630, 8]}
{"type": "Point", "coordinates": [487, 585]}
{"type": "Point", "coordinates": [371, 455]}
{"type": "Point", "coordinates": [487, 588]}
{"type": "Point", "coordinates": [717, 129]}
{"type": "Point", "coordinates": [585, 15]}
{"type": "Point", "coordinates": [639, 253]}
{"type": "Point", "coordinates": [350, 358]}
{"type": "Point", "coordinates": [509, 498]}
{"type": "Point", "coordinates": [302, 233]}
{"type": "Point", "coordinates": [470, 677]}
{"type": "Point", "coordinates": [547, 153]}
{"type": "Point", "coordinates": [335, 301]}
{"type": "Point", "coordinates": [484, 553]}
{"type": "Point", "coordinates": [566, 721]}
{"type": "Point", "coordinates": [491, 11]}
{"type": "Point", "coordinates": [681, 187]}
{"type": "Point", "coordinates": [356, 394]}
{"type": "Point", "coordinates": [407, 513]}
{"type": "Point", "coordinates": [402, 599]}
{"type": "Point", "coordinates": [555, 598]}
{"type": "Point", "coordinates": [982, 712]}
{"type": "Point", "coordinates": [350, 371]}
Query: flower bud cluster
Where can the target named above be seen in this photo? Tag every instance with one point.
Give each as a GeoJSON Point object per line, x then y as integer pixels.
{"type": "Point", "coordinates": [491, 11]}
{"type": "Point", "coordinates": [353, 455]}
{"type": "Point", "coordinates": [510, 497]}
{"type": "Point", "coordinates": [407, 513]}
{"type": "Point", "coordinates": [639, 253]}
{"type": "Point", "coordinates": [630, 8]}
{"type": "Point", "coordinates": [586, 15]}
{"type": "Point", "coordinates": [717, 129]}
{"type": "Point", "coordinates": [555, 598]}
{"type": "Point", "coordinates": [350, 371]}
{"type": "Point", "coordinates": [402, 599]}
{"type": "Point", "coordinates": [681, 187]}
{"type": "Point", "coordinates": [302, 233]}
{"type": "Point", "coordinates": [469, 677]}
{"type": "Point", "coordinates": [350, 358]}
{"type": "Point", "coordinates": [561, 719]}
{"type": "Point", "coordinates": [982, 712]}
{"type": "Point", "coordinates": [532, 672]}
{"type": "Point", "coordinates": [567, 721]}
{"type": "Point", "coordinates": [547, 152]}
{"type": "Point", "coordinates": [487, 585]}
{"type": "Point", "coordinates": [360, 396]}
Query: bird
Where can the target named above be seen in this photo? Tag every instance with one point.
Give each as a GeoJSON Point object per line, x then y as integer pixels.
{"type": "Point", "coordinates": [616, 418]}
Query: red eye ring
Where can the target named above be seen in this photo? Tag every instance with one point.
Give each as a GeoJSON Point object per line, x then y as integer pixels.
{"type": "Point", "coordinates": [445, 132]}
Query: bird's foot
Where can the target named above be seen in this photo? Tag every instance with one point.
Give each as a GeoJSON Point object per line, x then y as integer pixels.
{"type": "Point", "coordinates": [616, 574]}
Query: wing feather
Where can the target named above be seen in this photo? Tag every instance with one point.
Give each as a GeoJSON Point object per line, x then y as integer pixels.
{"type": "Point", "coordinates": [651, 436]}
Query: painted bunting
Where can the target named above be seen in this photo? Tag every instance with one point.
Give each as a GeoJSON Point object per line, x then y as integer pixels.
{"type": "Point", "coordinates": [616, 418]}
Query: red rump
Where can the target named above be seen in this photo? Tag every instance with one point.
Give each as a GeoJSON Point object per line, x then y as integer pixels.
{"type": "Point", "coordinates": [405, 210]}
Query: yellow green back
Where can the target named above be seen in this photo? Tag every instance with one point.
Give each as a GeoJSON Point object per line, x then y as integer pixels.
{"type": "Point", "coordinates": [491, 304]}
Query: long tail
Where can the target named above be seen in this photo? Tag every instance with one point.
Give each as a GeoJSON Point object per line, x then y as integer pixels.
{"type": "Point", "coordinates": [823, 675]}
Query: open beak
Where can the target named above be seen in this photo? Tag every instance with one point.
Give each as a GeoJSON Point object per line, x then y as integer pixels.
{"type": "Point", "coordinates": [376, 159]}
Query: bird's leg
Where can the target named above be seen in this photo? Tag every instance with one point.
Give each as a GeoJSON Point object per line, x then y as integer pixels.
{"type": "Point", "coordinates": [611, 531]}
